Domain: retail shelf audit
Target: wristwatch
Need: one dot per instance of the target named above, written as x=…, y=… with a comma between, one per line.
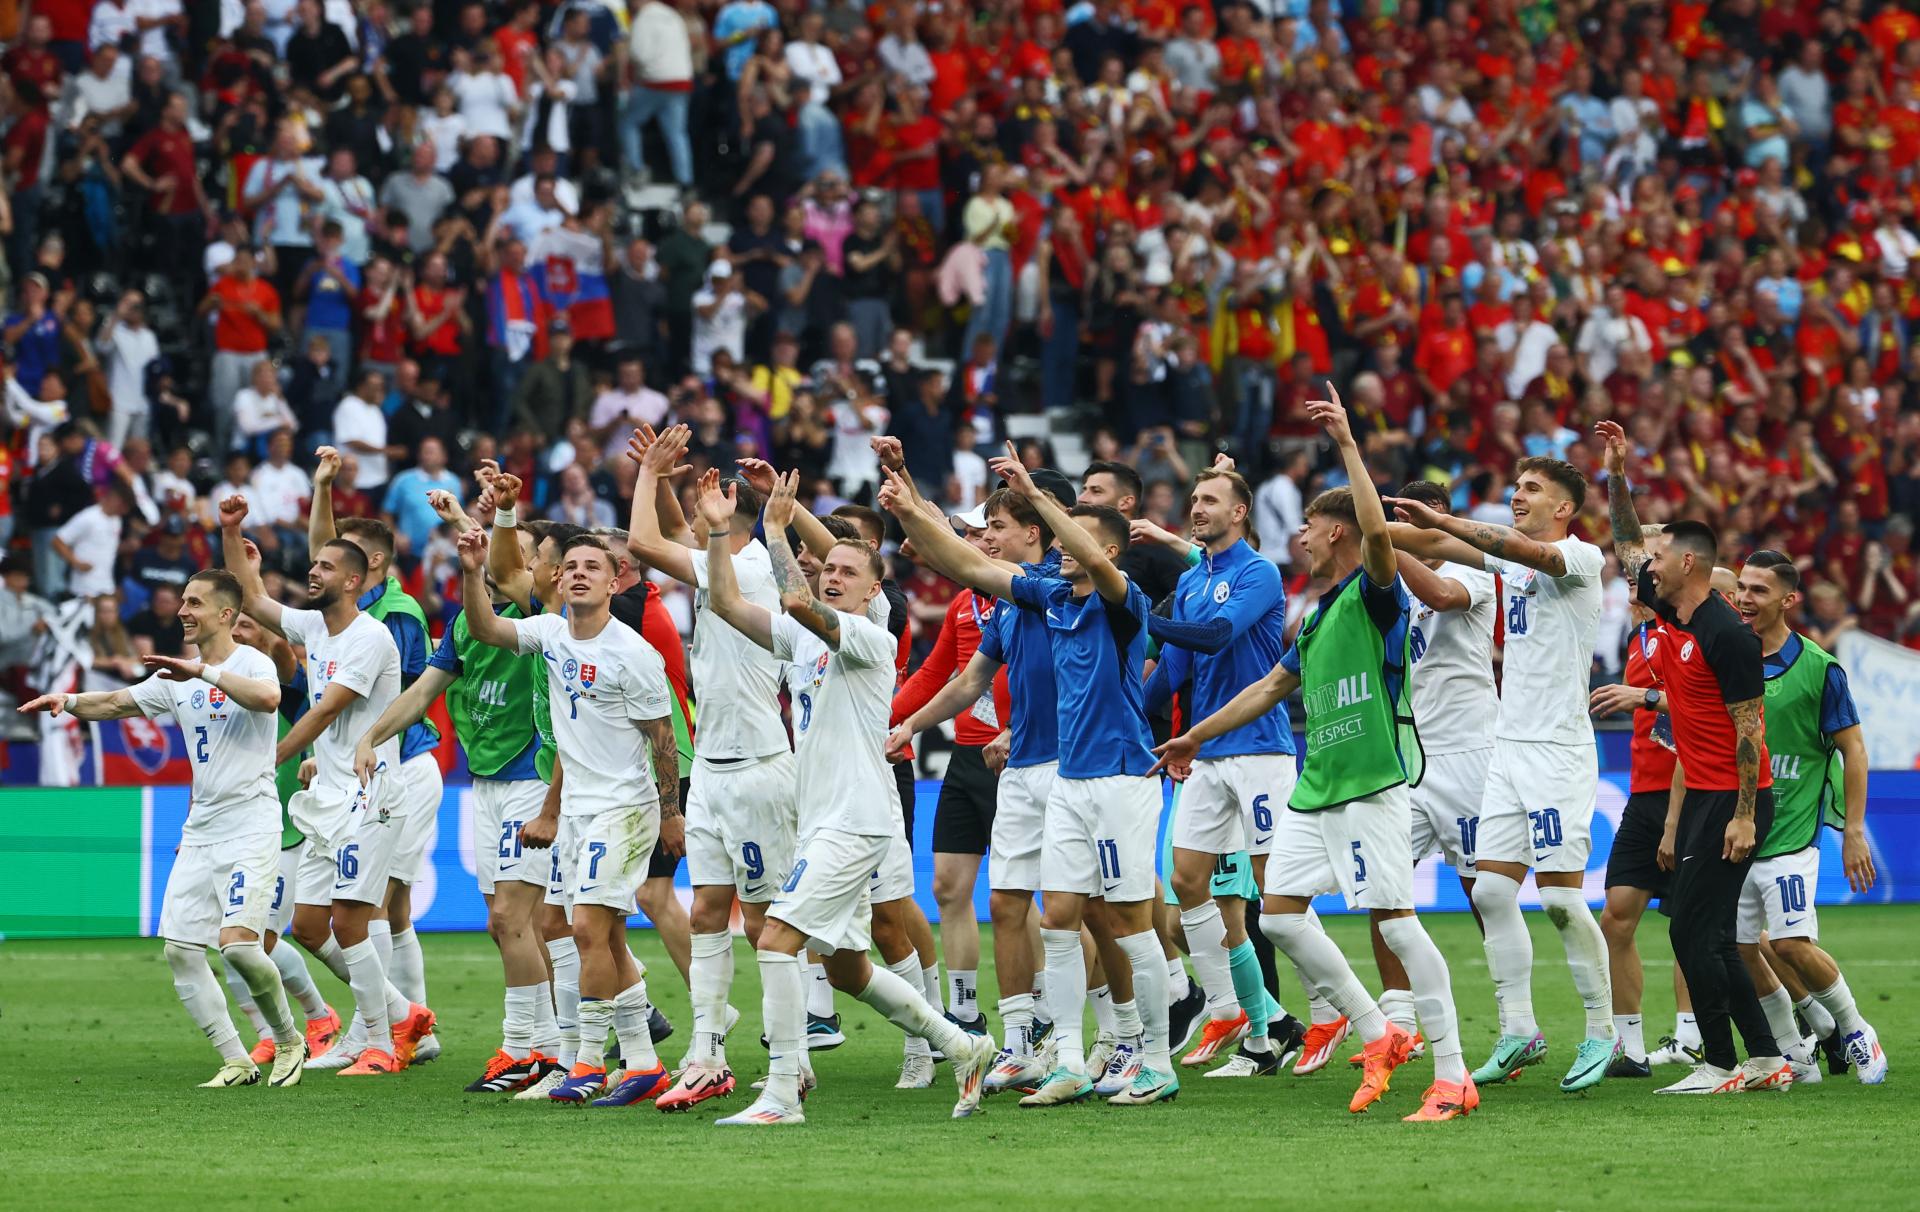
x=1652, y=700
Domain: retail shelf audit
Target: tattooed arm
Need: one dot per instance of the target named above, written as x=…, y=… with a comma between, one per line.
x=666, y=781
x=1750, y=728
x=1483, y=538
x=796, y=597
x=1629, y=541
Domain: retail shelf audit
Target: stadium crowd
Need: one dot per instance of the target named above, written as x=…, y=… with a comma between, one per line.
x=1134, y=232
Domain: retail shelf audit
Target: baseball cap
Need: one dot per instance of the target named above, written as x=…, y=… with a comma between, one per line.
x=1057, y=486
x=973, y=519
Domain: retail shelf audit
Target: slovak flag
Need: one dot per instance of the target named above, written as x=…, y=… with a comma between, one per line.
x=572, y=270
x=586, y=676
x=217, y=697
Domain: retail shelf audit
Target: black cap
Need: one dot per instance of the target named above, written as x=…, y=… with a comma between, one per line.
x=1056, y=485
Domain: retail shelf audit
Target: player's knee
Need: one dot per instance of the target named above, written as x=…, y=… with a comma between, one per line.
x=189, y=966
x=1617, y=925
x=950, y=887
x=1009, y=910
x=1285, y=930
x=1189, y=886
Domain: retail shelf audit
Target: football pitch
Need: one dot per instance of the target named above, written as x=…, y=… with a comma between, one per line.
x=99, y=1105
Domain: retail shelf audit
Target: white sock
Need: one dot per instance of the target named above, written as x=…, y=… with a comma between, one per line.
x=596, y=1019
x=908, y=970
x=1837, y=1000
x=380, y=934
x=1178, y=983
x=1207, y=948
x=516, y=1028
x=905, y=1006
x=1432, y=993
x=1398, y=1005
x=819, y=992
x=783, y=1009
x=1320, y=1010
x=1818, y=1020
x=963, y=992
x=631, y=1010
x=546, y=1030
x=296, y=980
x=1778, y=1007
x=334, y=959
x=1686, y=1029
x=409, y=968
x=1040, y=1002
x=930, y=987
x=1631, y=1029
x=1126, y=1017
x=709, y=977
x=243, y=998
x=1319, y=961
x=1509, y=951
x=200, y=994
x=1066, y=995
x=1150, y=998
x=1016, y=1023
x=369, y=982
x=1586, y=951
x=566, y=997
x=1103, y=1012
x=263, y=980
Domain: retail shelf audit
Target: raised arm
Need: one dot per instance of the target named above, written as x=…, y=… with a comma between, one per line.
x=796, y=598
x=403, y=711
x=1376, y=542
x=243, y=561
x=251, y=693
x=1075, y=540
x=94, y=705
x=1629, y=543
x=814, y=535
x=482, y=624
x=936, y=544
x=723, y=587
x=320, y=530
x=1443, y=594
x=652, y=491
x=1474, y=539
x=504, y=559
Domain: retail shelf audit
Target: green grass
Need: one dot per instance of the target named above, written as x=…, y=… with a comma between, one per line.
x=98, y=1105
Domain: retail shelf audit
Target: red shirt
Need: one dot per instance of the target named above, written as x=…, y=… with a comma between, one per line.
x=1703, y=664
x=234, y=330
x=28, y=137
x=169, y=153
x=921, y=173
x=444, y=340
x=1652, y=762
x=36, y=67
x=959, y=638
x=1444, y=354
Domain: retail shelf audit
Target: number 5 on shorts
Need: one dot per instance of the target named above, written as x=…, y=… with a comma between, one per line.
x=1359, y=865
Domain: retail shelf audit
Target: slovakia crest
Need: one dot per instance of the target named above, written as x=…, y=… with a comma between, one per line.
x=215, y=696
x=199, y=699
x=587, y=674
x=147, y=744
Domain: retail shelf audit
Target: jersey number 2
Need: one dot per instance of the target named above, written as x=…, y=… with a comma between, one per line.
x=200, y=744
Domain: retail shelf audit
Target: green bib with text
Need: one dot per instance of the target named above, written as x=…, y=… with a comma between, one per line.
x=1806, y=764
x=1360, y=732
x=492, y=700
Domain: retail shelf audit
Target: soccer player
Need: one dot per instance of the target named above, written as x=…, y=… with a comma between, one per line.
x=1350, y=824
x=850, y=810
x=1018, y=543
x=740, y=808
x=1453, y=697
x=1227, y=630
x=353, y=831
x=418, y=775
x=1819, y=765
x=221, y=887
x=608, y=690
x=1710, y=670
x=1544, y=777
x=489, y=699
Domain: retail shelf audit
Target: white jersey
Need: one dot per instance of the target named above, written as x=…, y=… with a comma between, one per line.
x=364, y=659
x=738, y=681
x=1453, y=692
x=1551, y=626
x=600, y=688
x=841, y=705
x=231, y=749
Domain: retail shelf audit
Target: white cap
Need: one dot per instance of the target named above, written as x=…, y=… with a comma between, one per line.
x=973, y=519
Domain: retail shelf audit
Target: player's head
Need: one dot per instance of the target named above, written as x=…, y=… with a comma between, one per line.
x=249, y=632
x=842, y=530
x=1654, y=534
x=626, y=570
x=1725, y=582
x=1684, y=557
x=871, y=528
x=1112, y=484
x=550, y=541
x=1107, y=525
x=209, y=605
x=1547, y=495
x=1769, y=587
x=1222, y=508
x=338, y=573
x=1014, y=529
x=587, y=572
x=374, y=537
x=747, y=505
x=1331, y=533
x=851, y=575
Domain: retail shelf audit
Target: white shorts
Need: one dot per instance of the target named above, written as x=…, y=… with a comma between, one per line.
x=286, y=888
x=893, y=878
x=1778, y=898
x=560, y=865
x=221, y=886
x=352, y=859
x=741, y=819
x=499, y=809
x=828, y=895
x=421, y=787
x=1229, y=804
x=1538, y=809
x=1019, y=824
x=1362, y=850
x=1446, y=807
x=1102, y=837
x=608, y=855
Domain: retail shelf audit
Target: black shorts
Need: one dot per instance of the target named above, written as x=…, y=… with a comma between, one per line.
x=963, y=823
x=659, y=863
x=1634, y=861
x=903, y=779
